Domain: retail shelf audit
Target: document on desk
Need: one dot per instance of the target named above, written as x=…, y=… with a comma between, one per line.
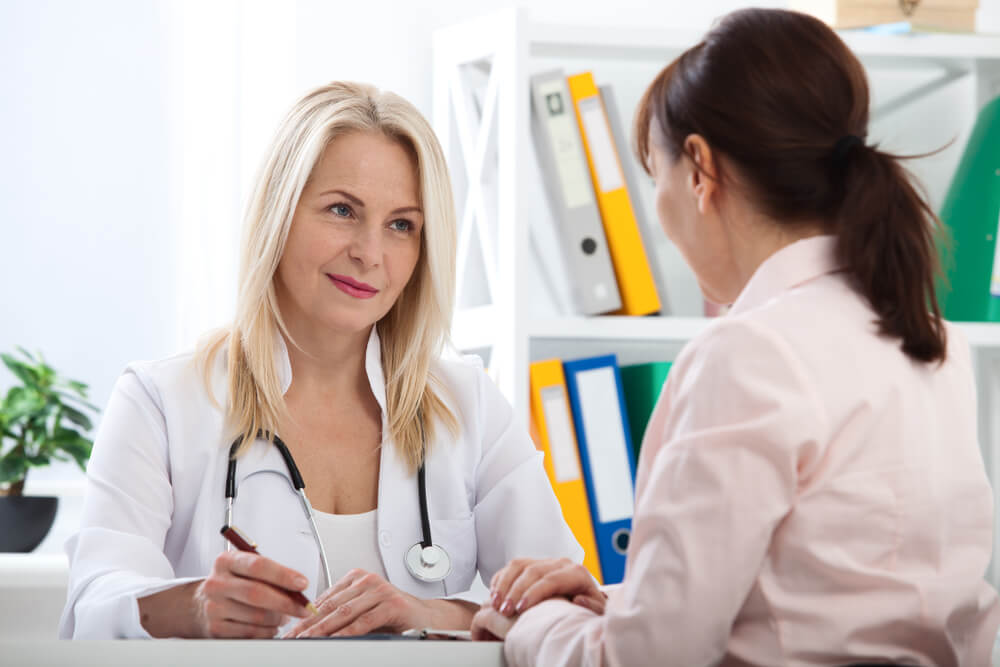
x=413, y=634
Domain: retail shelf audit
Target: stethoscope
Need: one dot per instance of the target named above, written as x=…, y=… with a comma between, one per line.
x=425, y=560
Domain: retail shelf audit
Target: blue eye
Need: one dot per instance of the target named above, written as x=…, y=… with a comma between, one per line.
x=401, y=225
x=342, y=210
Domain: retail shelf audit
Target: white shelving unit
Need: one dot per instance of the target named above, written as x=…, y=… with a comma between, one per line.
x=486, y=138
x=488, y=149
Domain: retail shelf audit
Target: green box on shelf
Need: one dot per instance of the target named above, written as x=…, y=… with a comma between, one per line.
x=642, y=384
x=971, y=214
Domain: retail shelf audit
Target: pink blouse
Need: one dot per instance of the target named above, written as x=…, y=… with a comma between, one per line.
x=806, y=495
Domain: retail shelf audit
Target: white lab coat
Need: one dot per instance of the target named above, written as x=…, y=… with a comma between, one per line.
x=155, y=494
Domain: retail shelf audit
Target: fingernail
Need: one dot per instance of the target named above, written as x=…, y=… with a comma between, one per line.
x=496, y=601
x=300, y=582
x=507, y=606
x=520, y=606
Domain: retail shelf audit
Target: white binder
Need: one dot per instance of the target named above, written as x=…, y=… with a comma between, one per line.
x=649, y=235
x=579, y=234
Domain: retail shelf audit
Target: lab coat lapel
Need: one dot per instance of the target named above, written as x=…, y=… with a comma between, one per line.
x=398, y=507
x=269, y=510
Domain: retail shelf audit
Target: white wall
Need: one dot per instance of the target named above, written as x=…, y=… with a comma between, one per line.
x=87, y=268
x=131, y=129
x=389, y=42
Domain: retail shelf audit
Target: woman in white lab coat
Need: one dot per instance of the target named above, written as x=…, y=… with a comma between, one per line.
x=810, y=489
x=345, y=297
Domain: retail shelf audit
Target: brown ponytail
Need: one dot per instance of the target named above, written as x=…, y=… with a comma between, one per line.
x=783, y=99
x=885, y=239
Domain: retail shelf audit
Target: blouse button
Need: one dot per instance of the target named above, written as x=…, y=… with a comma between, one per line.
x=385, y=539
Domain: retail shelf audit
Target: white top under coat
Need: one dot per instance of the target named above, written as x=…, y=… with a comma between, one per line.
x=155, y=501
x=351, y=541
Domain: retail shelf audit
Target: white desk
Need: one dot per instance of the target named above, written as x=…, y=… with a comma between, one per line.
x=299, y=653
x=32, y=596
x=33, y=592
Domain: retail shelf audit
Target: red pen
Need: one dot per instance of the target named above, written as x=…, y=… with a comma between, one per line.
x=243, y=543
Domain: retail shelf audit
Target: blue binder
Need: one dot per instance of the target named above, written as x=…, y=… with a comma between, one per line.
x=602, y=431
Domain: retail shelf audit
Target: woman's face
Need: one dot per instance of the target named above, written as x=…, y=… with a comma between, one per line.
x=687, y=204
x=355, y=236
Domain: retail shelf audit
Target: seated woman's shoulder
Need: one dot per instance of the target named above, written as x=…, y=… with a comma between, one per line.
x=464, y=381
x=178, y=373
x=459, y=370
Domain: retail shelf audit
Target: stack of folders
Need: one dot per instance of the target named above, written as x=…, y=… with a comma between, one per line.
x=600, y=243
x=580, y=413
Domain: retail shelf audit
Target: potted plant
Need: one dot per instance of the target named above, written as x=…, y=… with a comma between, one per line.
x=42, y=418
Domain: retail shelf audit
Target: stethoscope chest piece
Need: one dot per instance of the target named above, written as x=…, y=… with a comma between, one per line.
x=429, y=563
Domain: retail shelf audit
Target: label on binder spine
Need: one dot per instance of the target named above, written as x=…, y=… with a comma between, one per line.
x=565, y=462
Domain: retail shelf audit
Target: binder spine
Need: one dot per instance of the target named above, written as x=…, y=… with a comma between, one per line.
x=580, y=232
x=553, y=422
x=645, y=231
x=632, y=271
x=595, y=391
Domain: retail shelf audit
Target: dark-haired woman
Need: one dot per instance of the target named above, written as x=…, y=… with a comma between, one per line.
x=810, y=490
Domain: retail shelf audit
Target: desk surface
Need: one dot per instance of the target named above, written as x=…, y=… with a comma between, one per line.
x=33, y=570
x=301, y=653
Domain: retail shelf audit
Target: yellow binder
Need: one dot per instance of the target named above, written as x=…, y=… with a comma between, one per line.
x=552, y=429
x=635, y=279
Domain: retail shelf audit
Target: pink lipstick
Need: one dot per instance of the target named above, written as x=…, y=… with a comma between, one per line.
x=355, y=288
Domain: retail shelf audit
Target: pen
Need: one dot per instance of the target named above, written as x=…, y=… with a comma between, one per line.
x=243, y=543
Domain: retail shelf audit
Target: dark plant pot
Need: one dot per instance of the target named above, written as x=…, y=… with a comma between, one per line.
x=25, y=521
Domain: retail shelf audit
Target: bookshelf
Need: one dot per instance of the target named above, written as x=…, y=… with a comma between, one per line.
x=487, y=141
x=488, y=146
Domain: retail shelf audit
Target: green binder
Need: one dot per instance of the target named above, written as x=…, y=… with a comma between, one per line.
x=971, y=213
x=642, y=384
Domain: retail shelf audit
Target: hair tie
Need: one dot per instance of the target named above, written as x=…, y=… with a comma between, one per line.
x=842, y=149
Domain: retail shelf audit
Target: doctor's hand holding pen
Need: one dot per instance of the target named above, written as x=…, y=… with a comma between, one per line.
x=246, y=596
x=525, y=582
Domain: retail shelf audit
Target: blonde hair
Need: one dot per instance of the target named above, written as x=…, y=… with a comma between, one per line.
x=414, y=330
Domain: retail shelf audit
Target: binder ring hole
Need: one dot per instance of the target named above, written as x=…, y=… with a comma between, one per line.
x=619, y=540
x=589, y=245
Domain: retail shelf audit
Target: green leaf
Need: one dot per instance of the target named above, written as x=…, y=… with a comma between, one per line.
x=25, y=373
x=79, y=387
x=13, y=468
x=46, y=375
x=22, y=402
x=61, y=434
x=80, y=451
x=78, y=400
x=40, y=459
x=77, y=417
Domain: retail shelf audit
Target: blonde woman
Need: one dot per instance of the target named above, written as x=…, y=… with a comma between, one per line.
x=415, y=474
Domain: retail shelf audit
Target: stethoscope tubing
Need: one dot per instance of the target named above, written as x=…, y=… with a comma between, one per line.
x=424, y=571
x=297, y=483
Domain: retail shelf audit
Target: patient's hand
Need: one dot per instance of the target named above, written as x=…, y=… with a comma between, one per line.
x=525, y=582
x=490, y=625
